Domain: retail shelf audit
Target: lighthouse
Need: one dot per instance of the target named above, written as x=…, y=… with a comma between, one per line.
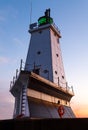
x=40, y=88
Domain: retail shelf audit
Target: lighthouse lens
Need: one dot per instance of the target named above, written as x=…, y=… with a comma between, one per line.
x=45, y=20
x=42, y=21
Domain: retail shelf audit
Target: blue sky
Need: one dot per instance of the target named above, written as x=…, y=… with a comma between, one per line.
x=71, y=16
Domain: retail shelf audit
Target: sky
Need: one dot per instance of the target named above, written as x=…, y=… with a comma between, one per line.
x=71, y=17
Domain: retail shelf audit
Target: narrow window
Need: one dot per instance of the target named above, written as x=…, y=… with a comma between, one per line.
x=38, y=52
x=62, y=77
x=55, y=72
x=57, y=55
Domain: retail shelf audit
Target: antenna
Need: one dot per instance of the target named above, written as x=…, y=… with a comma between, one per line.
x=30, y=11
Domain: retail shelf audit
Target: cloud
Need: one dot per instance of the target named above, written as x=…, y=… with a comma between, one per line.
x=2, y=15
x=2, y=18
x=8, y=13
x=6, y=110
x=3, y=60
x=17, y=41
x=6, y=103
x=6, y=97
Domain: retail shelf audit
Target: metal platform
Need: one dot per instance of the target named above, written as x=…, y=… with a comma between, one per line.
x=42, y=85
x=42, y=97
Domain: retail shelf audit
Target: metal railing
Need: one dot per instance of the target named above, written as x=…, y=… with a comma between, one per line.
x=22, y=64
x=17, y=74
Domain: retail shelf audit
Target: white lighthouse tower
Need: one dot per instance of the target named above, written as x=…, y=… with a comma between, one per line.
x=41, y=89
x=44, y=54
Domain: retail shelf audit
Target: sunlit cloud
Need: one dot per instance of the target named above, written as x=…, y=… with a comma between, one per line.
x=82, y=111
x=6, y=110
x=6, y=101
x=6, y=97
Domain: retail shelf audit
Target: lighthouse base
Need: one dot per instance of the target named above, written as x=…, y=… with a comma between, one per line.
x=43, y=109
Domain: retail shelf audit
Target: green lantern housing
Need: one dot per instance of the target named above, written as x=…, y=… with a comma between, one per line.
x=45, y=19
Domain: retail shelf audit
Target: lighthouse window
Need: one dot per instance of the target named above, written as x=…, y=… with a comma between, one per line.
x=62, y=76
x=38, y=52
x=57, y=55
x=55, y=72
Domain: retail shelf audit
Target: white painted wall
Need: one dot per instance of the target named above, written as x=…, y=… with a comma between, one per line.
x=57, y=62
x=40, y=42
